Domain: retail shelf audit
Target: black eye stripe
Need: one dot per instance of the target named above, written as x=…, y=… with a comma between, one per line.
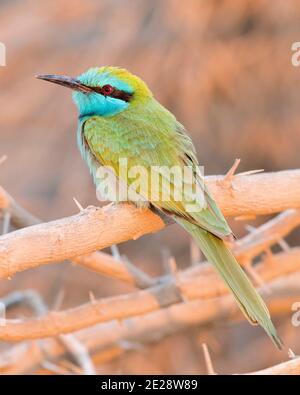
x=122, y=95
x=116, y=93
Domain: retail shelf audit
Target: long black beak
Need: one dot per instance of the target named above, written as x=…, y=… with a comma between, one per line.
x=68, y=82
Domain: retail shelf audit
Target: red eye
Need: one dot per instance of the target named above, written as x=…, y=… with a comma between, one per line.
x=107, y=90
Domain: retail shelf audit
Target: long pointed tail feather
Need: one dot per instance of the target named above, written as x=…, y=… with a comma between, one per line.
x=244, y=292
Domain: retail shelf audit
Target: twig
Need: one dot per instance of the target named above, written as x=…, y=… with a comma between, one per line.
x=28, y=297
x=54, y=368
x=6, y=222
x=79, y=352
x=36, y=303
x=115, y=252
x=19, y=216
x=78, y=204
x=93, y=229
x=196, y=282
x=160, y=295
x=172, y=266
x=208, y=361
x=244, y=249
x=140, y=278
x=266, y=235
x=284, y=245
x=250, y=172
x=146, y=328
x=106, y=265
x=227, y=180
x=256, y=194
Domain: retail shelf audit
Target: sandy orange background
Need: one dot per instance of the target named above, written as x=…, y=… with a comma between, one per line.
x=223, y=67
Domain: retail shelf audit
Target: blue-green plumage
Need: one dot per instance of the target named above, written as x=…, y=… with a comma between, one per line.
x=120, y=118
x=95, y=104
x=98, y=106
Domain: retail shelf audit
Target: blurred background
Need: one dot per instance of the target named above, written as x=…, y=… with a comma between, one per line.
x=223, y=67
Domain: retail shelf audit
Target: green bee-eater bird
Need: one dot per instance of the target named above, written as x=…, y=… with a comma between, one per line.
x=119, y=118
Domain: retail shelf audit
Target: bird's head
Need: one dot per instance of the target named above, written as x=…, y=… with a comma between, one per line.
x=104, y=91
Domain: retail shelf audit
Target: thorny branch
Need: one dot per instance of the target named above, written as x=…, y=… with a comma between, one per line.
x=239, y=196
x=96, y=228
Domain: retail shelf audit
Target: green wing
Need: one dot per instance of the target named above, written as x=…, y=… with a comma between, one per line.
x=155, y=139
